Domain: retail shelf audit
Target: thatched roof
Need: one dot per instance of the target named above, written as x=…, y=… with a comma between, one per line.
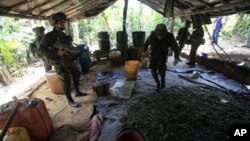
x=78, y=9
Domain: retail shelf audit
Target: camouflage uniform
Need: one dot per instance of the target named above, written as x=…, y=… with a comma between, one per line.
x=196, y=40
x=183, y=35
x=35, y=52
x=56, y=45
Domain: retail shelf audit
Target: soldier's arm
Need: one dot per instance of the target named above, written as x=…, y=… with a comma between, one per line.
x=45, y=44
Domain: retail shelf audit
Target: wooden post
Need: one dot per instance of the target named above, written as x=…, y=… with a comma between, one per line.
x=125, y=15
x=172, y=25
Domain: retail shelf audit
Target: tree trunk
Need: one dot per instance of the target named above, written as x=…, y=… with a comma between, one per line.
x=106, y=22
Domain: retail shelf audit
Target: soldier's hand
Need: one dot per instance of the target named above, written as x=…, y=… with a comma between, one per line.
x=60, y=52
x=175, y=62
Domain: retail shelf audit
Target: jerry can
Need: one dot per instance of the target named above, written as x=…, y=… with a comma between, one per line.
x=32, y=115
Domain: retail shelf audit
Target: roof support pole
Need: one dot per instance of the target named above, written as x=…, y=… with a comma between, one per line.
x=125, y=9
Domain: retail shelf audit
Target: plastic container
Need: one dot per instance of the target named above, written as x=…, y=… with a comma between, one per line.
x=138, y=38
x=54, y=82
x=101, y=88
x=122, y=41
x=35, y=118
x=130, y=134
x=16, y=134
x=104, y=42
x=131, y=69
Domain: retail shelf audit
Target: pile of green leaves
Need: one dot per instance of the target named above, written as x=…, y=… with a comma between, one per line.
x=187, y=114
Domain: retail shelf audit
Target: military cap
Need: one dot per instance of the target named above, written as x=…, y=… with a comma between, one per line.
x=55, y=17
x=38, y=29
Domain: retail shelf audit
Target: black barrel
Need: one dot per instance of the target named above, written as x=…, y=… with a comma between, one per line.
x=121, y=40
x=138, y=38
x=104, y=42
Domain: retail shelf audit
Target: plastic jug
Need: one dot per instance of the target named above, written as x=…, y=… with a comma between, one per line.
x=35, y=118
x=131, y=69
x=16, y=134
x=54, y=82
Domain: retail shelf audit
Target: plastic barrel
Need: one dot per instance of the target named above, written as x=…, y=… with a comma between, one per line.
x=131, y=69
x=138, y=38
x=104, y=42
x=121, y=40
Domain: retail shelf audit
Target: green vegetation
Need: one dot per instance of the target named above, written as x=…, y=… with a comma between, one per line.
x=236, y=26
x=187, y=114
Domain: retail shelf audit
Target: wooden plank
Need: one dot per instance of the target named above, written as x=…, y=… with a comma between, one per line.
x=37, y=7
x=86, y=7
x=53, y=8
x=23, y=16
x=8, y=9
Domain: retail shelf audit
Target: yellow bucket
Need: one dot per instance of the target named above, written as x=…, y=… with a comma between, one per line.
x=131, y=69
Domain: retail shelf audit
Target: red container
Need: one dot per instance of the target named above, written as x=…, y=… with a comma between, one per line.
x=130, y=134
x=34, y=118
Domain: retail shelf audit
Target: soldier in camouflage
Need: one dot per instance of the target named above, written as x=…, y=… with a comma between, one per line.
x=39, y=31
x=56, y=45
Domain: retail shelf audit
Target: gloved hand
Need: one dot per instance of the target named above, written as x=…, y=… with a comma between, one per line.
x=175, y=62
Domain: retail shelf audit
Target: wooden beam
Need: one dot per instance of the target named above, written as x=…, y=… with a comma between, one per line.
x=72, y=7
x=80, y=14
x=223, y=7
x=205, y=3
x=37, y=7
x=57, y=5
x=86, y=7
x=23, y=16
x=8, y=9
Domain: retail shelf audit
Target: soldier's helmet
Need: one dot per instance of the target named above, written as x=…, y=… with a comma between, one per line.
x=38, y=29
x=56, y=17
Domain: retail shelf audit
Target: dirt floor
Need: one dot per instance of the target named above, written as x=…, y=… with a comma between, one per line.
x=229, y=50
x=68, y=121
x=183, y=109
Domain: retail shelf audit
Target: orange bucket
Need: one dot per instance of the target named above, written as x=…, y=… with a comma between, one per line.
x=131, y=69
x=54, y=82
